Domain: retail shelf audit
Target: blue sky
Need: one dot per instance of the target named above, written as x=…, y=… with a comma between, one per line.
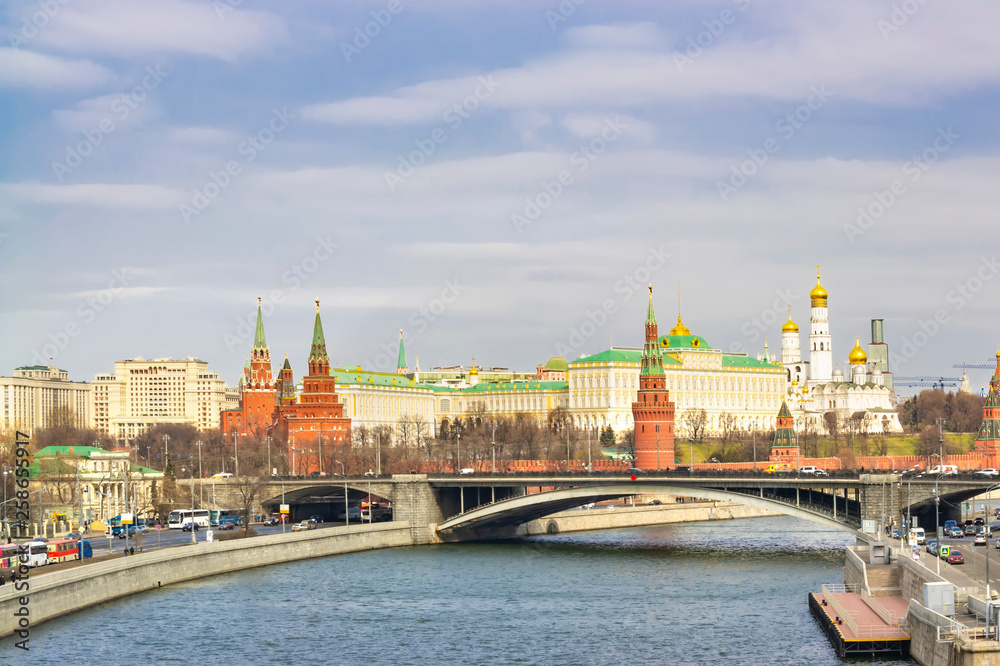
x=498, y=179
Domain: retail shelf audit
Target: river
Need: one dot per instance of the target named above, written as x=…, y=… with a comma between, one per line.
x=727, y=592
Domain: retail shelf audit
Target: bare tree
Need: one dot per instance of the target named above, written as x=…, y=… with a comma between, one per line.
x=247, y=488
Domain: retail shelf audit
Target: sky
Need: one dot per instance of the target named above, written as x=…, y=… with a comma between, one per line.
x=500, y=180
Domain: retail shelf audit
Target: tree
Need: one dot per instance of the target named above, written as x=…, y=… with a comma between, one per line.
x=247, y=489
x=608, y=437
x=929, y=441
x=628, y=443
x=694, y=422
x=728, y=431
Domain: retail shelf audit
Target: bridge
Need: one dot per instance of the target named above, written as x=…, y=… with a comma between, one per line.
x=446, y=507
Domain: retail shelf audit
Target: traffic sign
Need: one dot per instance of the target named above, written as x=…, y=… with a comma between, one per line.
x=126, y=519
x=284, y=508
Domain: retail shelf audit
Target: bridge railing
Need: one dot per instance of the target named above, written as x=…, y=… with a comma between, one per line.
x=843, y=516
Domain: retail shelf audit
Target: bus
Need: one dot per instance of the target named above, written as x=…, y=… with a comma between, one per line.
x=182, y=517
x=115, y=524
x=223, y=516
x=9, y=555
x=35, y=554
x=64, y=550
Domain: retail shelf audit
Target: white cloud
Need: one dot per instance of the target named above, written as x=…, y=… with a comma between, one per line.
x=588, y=126
x=95, y=194
x=203, y=135
x=629, y=36
x=91, y=113
x=127, y=29
x=33, y=70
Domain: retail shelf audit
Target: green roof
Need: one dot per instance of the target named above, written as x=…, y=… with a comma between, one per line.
x=683, y=342
x=355, y=377
x=517, y=386
x=32, y=367
x=74, y=451
x=613, y=356
x=318, y=350
x=556, y=363
x=731, y=361
x=401, y=360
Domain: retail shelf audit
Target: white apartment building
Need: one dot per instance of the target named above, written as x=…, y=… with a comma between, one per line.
x=28, y=398
x=142, y=393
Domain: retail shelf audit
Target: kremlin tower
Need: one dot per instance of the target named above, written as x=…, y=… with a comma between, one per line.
x=988, y=439
x=820, y=351
x=652, y=411
x=785, y=447
x=257, y=390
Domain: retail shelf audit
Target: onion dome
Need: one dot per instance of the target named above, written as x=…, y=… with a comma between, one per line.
x=818, y=295
x=857, y=355
x=680, y=328
x=790, y=326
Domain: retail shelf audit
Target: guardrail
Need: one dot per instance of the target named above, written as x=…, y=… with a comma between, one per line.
x=888, y=616
x=851, y=617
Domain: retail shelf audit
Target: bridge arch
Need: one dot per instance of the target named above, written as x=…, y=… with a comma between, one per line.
x=525, y=508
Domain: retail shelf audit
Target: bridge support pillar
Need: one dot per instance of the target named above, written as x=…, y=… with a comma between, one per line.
x=415, y=501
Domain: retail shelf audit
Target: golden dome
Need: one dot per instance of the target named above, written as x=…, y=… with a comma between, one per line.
x=818, y=294
x=857, y=355
x=680, y=328
x=790, y=326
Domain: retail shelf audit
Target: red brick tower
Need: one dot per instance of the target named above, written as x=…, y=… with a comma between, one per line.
x=785, y=447
x=316, y=423
x=652, y=411
x=257, y=390
x=988, y=439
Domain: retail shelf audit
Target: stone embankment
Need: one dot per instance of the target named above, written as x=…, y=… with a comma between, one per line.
x=600, y=518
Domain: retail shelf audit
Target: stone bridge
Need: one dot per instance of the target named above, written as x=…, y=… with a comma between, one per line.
x=477, y=506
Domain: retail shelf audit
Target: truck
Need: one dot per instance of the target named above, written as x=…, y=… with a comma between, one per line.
x=917, y=536
x=943, y=470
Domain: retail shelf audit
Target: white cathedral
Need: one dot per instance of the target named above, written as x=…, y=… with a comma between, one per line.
x=817, y=386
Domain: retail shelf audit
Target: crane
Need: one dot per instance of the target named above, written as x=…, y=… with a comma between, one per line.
x=934, y=382
x=983, y=366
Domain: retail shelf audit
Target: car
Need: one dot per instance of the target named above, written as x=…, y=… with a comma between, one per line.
x=464, y=470
x=932, y=546
x=467, y=470
x=222, y=475
x=998, y=544
x=272, y=521
x=970, y=530
x=954, y=532
x=897, y=534
x=227, y=526
x=316, y=519
x=186, y=527
x=72, y=535
x=300, y=527
x=979, y=521
x=635, y=470
x=980, y=540
x=989, y=471
x=955, y=557
x=141, y=528
x=812, y=470
x=130, y=530
x=655, y=503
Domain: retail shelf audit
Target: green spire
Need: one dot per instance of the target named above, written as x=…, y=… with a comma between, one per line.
x=784, y=412
x=401, y=360
x=652, y=357
x=318, y=350
x=259, y=341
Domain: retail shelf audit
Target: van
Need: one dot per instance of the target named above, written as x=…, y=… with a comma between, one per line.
x=943, y=470
x=353, y=513
x=774, y=468
x=917, y=536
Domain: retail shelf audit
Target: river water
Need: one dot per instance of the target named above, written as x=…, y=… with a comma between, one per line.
x=731, y=592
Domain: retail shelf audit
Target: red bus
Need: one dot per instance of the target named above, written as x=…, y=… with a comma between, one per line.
x=64, y=550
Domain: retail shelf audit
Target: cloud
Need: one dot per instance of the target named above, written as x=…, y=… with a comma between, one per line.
x=89, y=113
x=801, y=46
x=20, y=68
x=588, y=126
x=95, y=194
x=127, y=29
x=203, y=135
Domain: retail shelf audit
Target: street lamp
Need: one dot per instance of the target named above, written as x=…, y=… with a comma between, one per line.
x=658, y=447
x=201, y=478
x=347, y=509
x=236, y=451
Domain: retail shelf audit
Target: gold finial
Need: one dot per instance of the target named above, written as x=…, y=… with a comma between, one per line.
x=400, y=333
x=258, y=301
x=817, y=272
x=317, y=306
x=789, y=310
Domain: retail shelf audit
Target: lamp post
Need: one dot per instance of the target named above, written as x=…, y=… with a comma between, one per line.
x=347, y=509
x=458, y=452
x=268, y=440
x=166, y=450
x=6, y=531
x=493, y=441
x=590, y=462
x=657, y=447
x=691, y=443
x=236, y=451
x=201, y=478
x=378, y=458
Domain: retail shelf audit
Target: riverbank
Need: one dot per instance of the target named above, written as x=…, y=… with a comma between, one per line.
x=62, y=592
x=599, y=518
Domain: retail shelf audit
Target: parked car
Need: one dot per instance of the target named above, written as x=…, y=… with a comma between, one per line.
x=932, y=546
x=897, y=534
x=955, y=557
x=316, y=519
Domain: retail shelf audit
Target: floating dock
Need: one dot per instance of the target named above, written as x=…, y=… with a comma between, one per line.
x=855, y=628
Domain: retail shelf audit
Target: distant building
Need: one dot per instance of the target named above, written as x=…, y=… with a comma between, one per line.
x=142, y=393
x=28, y=399
x=988, y=439
x=652, y=411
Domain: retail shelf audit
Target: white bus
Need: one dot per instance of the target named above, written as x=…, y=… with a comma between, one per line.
x=182, y=517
